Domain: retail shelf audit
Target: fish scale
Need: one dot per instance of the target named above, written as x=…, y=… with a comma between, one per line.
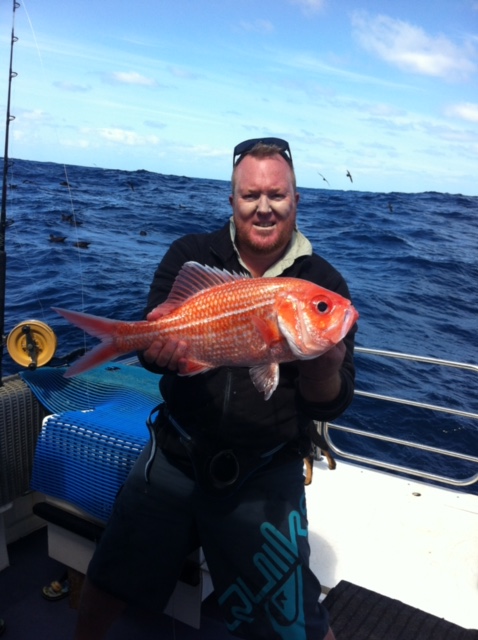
x=214, y=319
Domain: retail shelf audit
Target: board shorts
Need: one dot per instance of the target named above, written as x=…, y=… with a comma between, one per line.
x=254, y=541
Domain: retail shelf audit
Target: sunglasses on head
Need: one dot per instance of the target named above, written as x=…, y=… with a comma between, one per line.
x=245, y=147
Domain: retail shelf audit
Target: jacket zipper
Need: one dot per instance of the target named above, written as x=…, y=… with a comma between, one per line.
x=226, y=399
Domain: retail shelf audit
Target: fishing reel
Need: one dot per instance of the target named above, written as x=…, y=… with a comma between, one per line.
x=31, y=344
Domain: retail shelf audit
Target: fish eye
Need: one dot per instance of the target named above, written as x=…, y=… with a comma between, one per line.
x=322, y=306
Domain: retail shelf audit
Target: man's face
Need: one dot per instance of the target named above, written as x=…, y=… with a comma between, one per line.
x=264, y=205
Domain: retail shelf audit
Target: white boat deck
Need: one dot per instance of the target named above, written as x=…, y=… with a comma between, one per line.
x=405, y=539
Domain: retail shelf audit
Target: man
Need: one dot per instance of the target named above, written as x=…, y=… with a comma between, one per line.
x=224, y=468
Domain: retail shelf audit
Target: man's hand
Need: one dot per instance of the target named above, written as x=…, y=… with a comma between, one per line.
x=155, y=314
x=170, y=354
x=319, y=379
x=167, y=353
x=326, y=365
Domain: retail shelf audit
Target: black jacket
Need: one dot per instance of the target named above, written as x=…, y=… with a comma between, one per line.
x=223, y=402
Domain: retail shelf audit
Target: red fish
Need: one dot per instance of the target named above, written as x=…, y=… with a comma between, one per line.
x=228, y=320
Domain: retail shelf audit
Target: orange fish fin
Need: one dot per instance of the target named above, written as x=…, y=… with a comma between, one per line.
x=100, y=354
x=192, y=279
x=102, y=328
x=96, y=326
x=192, y=368
x=265, y=378
x=268, y=330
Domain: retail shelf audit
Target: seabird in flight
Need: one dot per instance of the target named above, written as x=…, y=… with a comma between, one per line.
x=349, y=175
x=323, y=178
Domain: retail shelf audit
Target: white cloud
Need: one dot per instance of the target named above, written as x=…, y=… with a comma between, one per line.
x=76, y=143
x=384, y=110
x=307, y=62
x=131, y=77
x=411, y=49
x=207, y=152
x=465, y=111
x=127, y=138
x=35, y=115
x=19, y=136
x=448, y=134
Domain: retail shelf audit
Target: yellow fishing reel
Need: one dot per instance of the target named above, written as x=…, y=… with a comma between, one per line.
x=31, y=344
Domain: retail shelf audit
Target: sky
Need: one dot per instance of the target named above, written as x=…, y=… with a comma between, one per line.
x=386, y=90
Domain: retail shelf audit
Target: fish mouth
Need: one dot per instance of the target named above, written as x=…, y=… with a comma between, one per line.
x=350, y=317
x=340, y=329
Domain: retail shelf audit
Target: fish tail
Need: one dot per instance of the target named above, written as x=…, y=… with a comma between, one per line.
x=102, y=328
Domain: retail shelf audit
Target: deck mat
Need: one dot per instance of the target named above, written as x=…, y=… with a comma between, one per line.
x=360, y=614
x=89, y=444
x=127, y=384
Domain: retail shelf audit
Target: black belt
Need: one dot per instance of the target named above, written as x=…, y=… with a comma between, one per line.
x=217, y=470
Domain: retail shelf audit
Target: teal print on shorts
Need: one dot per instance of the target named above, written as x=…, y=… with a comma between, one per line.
x=281, y=597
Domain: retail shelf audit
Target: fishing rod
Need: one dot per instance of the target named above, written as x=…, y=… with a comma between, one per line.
x=3, y=215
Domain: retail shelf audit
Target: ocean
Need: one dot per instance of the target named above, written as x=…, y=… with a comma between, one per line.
x=411, y=262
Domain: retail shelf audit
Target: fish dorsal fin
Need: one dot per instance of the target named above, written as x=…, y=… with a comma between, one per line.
x=194, y=278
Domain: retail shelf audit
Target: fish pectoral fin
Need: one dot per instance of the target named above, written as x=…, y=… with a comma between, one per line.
x=269, y=330
x=265, y=378
x=192, y=368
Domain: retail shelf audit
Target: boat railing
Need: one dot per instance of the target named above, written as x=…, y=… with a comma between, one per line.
x=329, y=428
